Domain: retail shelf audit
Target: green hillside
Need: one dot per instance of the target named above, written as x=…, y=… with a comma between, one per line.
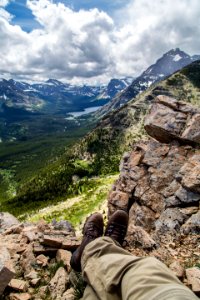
x=100, y=151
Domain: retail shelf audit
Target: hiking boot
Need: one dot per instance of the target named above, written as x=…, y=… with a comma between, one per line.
x=117, y=226
x=92, y=229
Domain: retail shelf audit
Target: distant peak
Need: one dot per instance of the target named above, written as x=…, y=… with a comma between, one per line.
x=54, y=81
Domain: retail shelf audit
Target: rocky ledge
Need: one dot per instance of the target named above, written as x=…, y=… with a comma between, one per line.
x=35, y=259
x=159, y=185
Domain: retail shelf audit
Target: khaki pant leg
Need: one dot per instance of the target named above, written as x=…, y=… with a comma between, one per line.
x=104, y=264
x=89, y=294
x=149, y=279
x=115, y=274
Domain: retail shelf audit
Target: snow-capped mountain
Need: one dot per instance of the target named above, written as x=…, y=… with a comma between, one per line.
x=115, y=86
x=54, y=95
x=169, y=63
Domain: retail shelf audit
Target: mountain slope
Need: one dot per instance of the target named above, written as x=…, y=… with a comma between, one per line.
x=117, y=130
x=169, y=63
x=100, y=151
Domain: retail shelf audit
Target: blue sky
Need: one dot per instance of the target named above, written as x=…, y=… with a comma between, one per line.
x=23, y=16
x=91, y=41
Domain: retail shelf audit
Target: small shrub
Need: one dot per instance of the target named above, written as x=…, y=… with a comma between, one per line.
x=54, y=267
x=79, y=286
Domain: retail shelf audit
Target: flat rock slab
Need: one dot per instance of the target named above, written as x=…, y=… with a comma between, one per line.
x=22, y=296
x=19, y=285
x=172, y=119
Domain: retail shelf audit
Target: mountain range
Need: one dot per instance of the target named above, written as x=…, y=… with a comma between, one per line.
x=169, y=63
x=54, y=96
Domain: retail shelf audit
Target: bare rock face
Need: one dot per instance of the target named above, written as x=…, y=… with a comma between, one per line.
x=165, y=194
x=159, y=183
x=171, y=119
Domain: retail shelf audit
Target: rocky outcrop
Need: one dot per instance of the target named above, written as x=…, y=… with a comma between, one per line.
x=161, y=190
x=159, y=185
x=35, y=260
x=171, y=119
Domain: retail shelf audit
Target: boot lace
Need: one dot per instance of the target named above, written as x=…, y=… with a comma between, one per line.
x=117, y=231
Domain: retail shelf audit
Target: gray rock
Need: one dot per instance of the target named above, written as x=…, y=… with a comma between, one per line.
x=137, y=236
x=6, y=221
x=62, y=225
x=171, y=189
x=170, y=220
x=172, y=202
x=186, y=196
x=192, y=225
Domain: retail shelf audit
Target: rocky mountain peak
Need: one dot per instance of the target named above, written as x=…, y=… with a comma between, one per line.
x=166, y=65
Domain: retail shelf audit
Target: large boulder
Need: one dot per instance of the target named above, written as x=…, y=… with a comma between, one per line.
x=171, y=119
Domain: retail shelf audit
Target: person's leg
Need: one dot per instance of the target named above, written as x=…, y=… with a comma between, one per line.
x=150, y=279
x=89, y=294
x=93, y=229
x=114, y=273
x=104, y=264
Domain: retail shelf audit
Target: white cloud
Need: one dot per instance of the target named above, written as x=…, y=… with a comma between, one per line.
x=3, y=13
x=4, y=2
x=153, y=27
x=90, y=45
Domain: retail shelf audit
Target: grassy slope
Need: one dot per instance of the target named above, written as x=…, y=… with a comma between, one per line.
x=100, y=151
x=76, y=209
